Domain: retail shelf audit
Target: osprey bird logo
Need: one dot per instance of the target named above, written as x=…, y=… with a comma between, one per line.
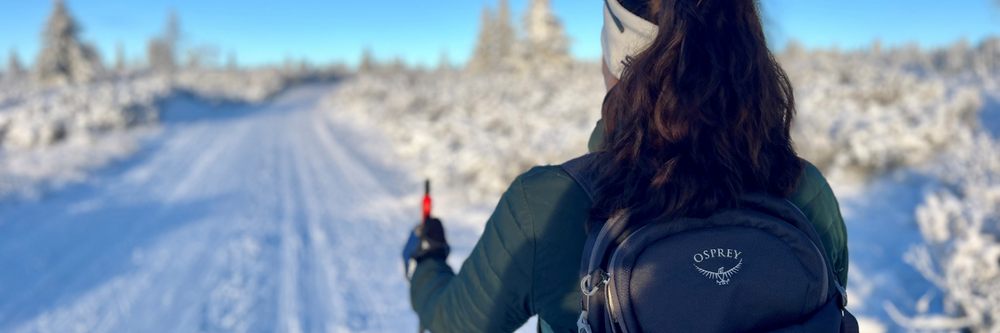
x=722, y=276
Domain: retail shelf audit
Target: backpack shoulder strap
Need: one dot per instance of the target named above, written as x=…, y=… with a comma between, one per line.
x=579, y=169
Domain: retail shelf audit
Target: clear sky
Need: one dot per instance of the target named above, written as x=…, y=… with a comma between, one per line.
x=419, y=31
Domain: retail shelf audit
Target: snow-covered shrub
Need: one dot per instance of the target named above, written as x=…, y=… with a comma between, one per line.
x=476, y=132
x=251, y=86
x=33, y=116
x=46, y=116
x=53, y=134
x=863, y=113
x=961, y=227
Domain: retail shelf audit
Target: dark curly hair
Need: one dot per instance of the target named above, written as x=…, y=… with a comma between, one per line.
x=698, y=119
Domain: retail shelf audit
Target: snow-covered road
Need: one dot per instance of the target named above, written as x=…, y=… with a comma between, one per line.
x=234, y=218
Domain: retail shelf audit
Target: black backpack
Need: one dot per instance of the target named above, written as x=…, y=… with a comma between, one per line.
x=759, y=268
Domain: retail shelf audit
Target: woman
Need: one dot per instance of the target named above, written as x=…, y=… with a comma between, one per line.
x=700, y=117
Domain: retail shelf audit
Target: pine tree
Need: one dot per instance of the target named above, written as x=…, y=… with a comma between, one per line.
x=120, y=57
x=231, y=62
x=546, y=43
x=504, y=38
x=495, y=47
x=444, y=63
x=483, y=56
x=397, y=65
x=14, y=67
x=63, y=58
x=162, y=51
x=367, y=61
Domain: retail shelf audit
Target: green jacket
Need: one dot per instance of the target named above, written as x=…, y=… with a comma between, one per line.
x=528, y=259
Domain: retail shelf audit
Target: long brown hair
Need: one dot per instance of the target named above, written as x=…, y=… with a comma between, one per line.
x=698, y=119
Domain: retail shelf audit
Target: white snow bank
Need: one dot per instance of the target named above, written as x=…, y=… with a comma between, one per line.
x=23, y=171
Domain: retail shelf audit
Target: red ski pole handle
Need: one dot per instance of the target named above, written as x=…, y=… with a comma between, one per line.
x=427, y=200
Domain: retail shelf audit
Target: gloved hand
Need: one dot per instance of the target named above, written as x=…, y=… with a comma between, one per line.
x=426, y=241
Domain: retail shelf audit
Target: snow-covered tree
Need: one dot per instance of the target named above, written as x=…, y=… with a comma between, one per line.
x=64, y=59
x=876, y=47
x=544, y=46
x=504, y=33
x=444, y=62
x=162, y=50
x=496, y=42
x=231, y=61
x=794, y=50
x=546, y=43
x=988, y=56
x=397, y=65
x=953, y=59
x=367, y=63
x=483, y=56
x=14, y=67
x=120, y=57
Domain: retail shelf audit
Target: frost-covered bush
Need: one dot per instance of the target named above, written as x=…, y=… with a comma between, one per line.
x=46, y=116
x=859, y=113
x=33, y=115
x=476, y=132
x=864, y=113
x=252, y=86
x=53, y=134
x=961, y=227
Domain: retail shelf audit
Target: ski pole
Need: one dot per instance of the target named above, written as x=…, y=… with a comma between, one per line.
x=427, y=216
x=427, y=200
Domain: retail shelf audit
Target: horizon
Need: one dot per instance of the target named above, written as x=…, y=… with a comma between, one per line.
x=263, y=33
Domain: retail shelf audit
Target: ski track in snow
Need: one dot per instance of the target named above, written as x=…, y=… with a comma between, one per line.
x=234, y=219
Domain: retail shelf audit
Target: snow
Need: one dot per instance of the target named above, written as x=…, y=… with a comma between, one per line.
x=859, y=114
x=476, y=133
x=961, y=226
x=246, y=221
x=226, y=202
x=52, y=135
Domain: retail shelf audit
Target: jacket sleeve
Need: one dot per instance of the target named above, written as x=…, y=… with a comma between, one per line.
x=820, y=205
x=492, y=291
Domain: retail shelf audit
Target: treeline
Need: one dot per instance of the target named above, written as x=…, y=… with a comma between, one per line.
x=65, y=58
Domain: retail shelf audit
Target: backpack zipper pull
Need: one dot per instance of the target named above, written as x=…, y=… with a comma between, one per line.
x=582, y=326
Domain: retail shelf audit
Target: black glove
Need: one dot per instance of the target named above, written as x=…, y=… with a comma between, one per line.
x=426, y=241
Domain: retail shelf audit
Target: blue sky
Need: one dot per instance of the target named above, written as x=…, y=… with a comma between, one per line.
x=418, y=31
